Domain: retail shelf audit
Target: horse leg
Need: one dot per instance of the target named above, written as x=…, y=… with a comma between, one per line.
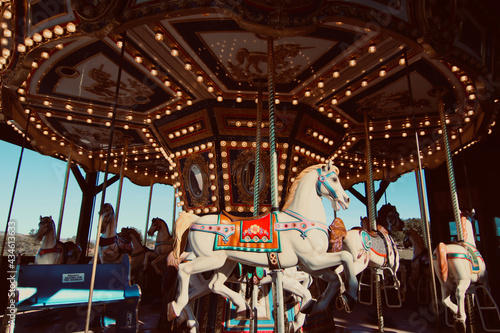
x=157, y=261
x=217, y=286
x=317, y=264
x=293, y=286
x=446, y=289
x=462, y=287
x=197, y=265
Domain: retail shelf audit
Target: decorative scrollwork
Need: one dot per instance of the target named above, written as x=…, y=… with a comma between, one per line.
x=244, y=175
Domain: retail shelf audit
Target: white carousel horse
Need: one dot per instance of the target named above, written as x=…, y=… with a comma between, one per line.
x=458, y=265
x=52, y=251
x=138, y=252
x=303, y=237
x=112, y=247
x=164, y=244
x=375, y=249
x=295, y=282
x=420, y=261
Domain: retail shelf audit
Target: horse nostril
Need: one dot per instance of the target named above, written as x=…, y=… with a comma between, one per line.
x=348, y=200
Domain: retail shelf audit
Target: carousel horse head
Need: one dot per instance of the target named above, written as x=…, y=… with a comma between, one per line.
x=328, y=179
x=108, y=215
x=388, y=217
x=45, y=225
x=156, y=225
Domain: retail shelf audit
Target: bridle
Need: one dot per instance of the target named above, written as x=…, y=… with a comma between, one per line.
x=323, y=181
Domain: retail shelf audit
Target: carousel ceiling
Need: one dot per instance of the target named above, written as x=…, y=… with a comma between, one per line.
x=191, y=73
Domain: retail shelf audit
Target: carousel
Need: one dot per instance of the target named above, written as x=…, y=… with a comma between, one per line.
x=254, y=111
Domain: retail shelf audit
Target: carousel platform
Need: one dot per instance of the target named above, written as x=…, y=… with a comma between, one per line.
x=362, y=319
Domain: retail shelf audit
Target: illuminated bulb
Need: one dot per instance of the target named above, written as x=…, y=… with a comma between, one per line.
x=372, y=48
x=277, y=101
x=189, y=102
x=348, y=92
x=352, y=62
x=472, y=96
x=455, y=69
x=219, y=98
x=307, y=93
x=44, y=55
x=469, y=87
x=238, y=99
x=334, y=101
x=167, y=83
x=138, y=59
x=321, y=84
x=69, y=117
x=36, y=37
x=159, y=36
x=28, y=42
x=21, y=48
x=59, y=46
x=7, y=15
x=58, y=30
x=382, y=73
x=47, y=33
x=336, y=74
x=119, y=43
x=90, y=110
x=174, y=52
x=154, y=71
x=210, y=89
x=402, y=61
x=364, y=83
x=188, y=66
x=404, y=134
x=199, y=78
x=178, y=92
x=71, y=27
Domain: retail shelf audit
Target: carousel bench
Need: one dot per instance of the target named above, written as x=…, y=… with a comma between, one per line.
x=56, y=286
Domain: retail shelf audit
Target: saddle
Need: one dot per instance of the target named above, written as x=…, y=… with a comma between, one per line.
x=336, y=234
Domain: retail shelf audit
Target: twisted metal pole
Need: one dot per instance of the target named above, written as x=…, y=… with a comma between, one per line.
x=449, y=167
x=372, y=215
x=277, y=274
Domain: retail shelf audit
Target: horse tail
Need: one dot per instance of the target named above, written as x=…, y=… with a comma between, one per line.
x=181, y=230
x=440, y=253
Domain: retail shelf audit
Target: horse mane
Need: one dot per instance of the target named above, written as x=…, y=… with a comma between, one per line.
x=293, y=188
x=134, y=231
x=382, y=214
x=165, y=223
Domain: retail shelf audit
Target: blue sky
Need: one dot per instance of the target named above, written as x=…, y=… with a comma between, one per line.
x=41, y=180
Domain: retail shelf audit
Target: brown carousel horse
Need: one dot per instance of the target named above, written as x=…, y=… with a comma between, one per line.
x=53, y=251
x=137, y=254
x=112, y=247
x=420, y=263
x=163, y=246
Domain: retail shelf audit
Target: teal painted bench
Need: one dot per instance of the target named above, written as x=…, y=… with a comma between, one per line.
x=56, y=286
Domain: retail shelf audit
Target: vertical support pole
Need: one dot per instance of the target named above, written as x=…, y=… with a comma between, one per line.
x=372, y=215
x=120, y=186
x=424, y=213
x=64, y=193
x=256, y=201
x=149, y=210
x=278, y=302
x=449, y=167
x=104, y=185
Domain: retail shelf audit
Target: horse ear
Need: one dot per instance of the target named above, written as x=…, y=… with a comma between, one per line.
x=329, y=165
x=40, y=218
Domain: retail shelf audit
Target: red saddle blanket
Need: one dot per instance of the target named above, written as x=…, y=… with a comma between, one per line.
x=254, y=235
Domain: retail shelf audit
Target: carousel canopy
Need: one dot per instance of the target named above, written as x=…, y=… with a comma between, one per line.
x=191, y=73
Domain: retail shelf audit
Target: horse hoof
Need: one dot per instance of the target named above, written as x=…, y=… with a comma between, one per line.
x=348, y=301
x=308, y=307
x=171, y=315
x=459, y=326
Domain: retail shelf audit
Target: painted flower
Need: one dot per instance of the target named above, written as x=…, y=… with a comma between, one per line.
x=254, y=229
